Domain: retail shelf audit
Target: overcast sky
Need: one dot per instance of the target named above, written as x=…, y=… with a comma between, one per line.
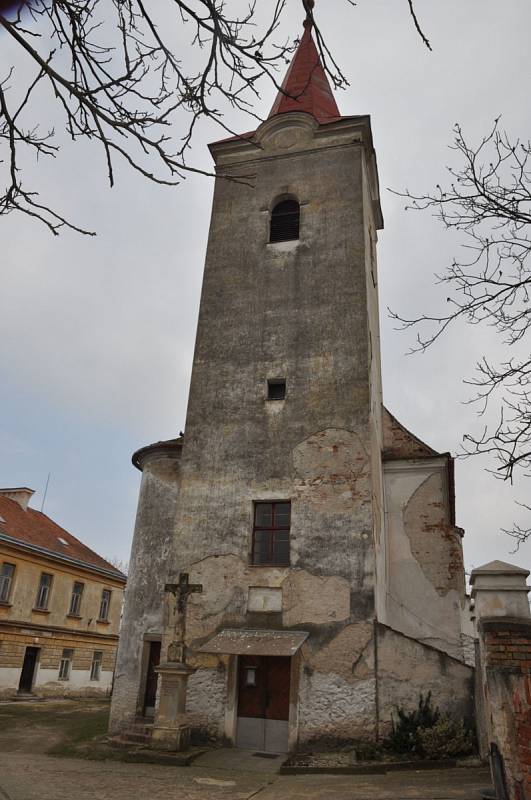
x=97, y=333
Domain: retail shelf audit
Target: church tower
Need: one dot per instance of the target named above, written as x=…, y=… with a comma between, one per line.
x=272, y=504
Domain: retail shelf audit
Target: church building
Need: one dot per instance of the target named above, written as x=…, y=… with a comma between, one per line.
x=296, y=570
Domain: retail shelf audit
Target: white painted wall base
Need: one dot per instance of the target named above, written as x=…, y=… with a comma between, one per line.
x=47, y=682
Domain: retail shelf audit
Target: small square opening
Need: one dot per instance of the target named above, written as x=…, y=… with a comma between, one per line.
x=276, y=389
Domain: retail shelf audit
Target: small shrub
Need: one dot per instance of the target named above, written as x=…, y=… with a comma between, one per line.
x=405, y=732
x=446, y=739
x=366, y=750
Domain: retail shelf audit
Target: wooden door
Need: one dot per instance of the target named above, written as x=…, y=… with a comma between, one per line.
x=277, y=688
x=151, y=679
x=263, y=703
x=27, y=675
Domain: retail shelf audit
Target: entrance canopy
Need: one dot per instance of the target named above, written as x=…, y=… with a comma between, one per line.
x=241, y=642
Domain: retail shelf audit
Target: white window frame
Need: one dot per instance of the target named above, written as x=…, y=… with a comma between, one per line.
x=95, y=667
x=105, y=605
x=65, y=665
x=43, y=592
x=75, y=599
x=6, y=582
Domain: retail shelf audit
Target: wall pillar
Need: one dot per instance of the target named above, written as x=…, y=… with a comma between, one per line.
x=499, y=592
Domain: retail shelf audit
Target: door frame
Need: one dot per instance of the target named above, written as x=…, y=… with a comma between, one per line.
x=144, y=664
x=231, y=709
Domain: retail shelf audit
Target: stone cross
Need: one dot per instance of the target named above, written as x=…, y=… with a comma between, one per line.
x=180, y=590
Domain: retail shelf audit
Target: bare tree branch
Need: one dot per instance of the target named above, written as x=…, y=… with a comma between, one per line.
x=417, y=25
x=117, y=79
x=488, y=200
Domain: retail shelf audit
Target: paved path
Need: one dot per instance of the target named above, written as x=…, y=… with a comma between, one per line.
x=41, y=777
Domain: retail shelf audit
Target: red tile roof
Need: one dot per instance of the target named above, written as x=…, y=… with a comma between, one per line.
x=34, y=528
x=306, y=87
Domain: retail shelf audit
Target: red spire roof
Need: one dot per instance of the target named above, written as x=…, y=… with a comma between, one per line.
x=306, y=87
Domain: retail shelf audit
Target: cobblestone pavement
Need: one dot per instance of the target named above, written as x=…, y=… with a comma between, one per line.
x=24, y=776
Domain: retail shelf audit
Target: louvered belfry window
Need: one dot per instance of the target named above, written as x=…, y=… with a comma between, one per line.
x=285, y=219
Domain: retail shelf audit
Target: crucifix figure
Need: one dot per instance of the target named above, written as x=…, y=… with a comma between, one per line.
x=181, y=591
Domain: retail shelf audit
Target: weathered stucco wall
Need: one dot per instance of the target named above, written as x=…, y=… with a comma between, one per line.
x=337, y=690
x=425, y=589
x=207, y=698
x=318, y=604
x=407, y=668
x=150, y=553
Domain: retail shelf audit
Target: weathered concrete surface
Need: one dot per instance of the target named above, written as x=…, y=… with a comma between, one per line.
x=43, y=778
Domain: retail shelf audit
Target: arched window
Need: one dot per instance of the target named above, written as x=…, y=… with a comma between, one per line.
x=285, y=219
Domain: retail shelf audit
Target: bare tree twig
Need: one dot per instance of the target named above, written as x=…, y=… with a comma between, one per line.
x=117, y=79
x=488, y=201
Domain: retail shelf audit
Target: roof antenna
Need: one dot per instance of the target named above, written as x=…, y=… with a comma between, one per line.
x=45, y=491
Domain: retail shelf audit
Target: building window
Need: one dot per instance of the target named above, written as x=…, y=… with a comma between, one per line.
x=104, y=605
x=6, y=580
x=75, y=600
x=66, y=664
x=43, y=595
x=95, y=669
x=285, y=219
x=271, y=533
x=276, y=389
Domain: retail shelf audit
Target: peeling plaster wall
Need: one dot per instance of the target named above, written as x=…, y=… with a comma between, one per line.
x=206, y=699
x=337, y=689
x=333, y=708
x=408, y=668
x=426, y=592
x=144, y=592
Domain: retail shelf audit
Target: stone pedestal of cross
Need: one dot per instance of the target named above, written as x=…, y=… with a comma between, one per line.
x=171, y=730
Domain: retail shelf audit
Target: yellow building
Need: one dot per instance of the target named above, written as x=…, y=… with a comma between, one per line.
x=60, y=606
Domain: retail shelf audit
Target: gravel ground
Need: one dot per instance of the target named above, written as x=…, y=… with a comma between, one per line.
x=28, y=771
x=42, y=777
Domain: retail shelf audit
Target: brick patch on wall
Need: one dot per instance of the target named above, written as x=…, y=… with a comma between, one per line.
x=506, y=647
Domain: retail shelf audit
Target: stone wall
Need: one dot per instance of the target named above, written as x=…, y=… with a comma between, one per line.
x=206, y=700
